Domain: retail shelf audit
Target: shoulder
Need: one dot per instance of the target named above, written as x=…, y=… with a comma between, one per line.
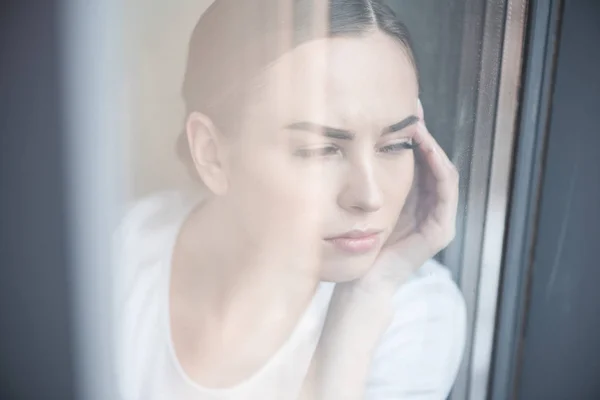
x=146, y=218
x=147, y=227
x=429, y=299
x=421, y=350
x=432, y=284
x=143, y=241
x=142, y=246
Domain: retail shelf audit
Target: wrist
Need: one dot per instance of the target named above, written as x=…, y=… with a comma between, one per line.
x=371, y=305
x=387, y=275
x=355, y=322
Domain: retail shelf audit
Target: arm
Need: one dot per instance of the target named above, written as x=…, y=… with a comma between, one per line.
x=415, y=357
x=360, y=311
x=420, y=353
x=355, y=324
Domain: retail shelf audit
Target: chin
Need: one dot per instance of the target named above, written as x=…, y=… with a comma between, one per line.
x=346, y=269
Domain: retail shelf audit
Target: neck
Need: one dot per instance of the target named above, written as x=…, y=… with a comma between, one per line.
x=231, y=277
x=233, y=301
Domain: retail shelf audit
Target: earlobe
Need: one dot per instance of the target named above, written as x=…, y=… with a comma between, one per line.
x=207, y=152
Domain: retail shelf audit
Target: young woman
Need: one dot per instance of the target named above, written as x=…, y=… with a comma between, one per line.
x=304, y=270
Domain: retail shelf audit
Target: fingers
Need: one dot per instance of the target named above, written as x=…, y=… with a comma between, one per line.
x=436, y=161
x=442, y=183
x=428, y=142
x=420, y=112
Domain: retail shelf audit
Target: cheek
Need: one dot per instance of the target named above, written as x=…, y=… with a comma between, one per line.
x=396, y=183
x=277, y=193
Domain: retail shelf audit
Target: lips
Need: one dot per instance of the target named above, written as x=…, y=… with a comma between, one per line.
x=356, y=241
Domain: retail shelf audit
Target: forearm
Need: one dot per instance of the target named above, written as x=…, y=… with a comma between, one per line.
x=355, y=323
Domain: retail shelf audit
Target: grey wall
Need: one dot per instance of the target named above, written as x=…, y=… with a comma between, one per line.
x=436, y=28
x=35, y=353
x=561, y=348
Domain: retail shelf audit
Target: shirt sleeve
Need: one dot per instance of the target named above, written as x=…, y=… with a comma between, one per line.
x=419, y=354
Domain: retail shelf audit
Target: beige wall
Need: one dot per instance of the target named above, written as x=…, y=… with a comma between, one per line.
x=157, y=34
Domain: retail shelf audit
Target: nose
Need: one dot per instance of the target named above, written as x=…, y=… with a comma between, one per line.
x=361, y=192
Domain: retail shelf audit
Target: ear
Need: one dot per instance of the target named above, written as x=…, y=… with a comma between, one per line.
x=207, y=151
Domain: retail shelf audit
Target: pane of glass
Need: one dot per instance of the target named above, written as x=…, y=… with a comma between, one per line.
x=449, y=46
x=448, y=39
x=458, y=49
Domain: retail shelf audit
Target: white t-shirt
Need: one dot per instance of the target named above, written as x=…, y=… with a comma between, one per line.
x=417, y=357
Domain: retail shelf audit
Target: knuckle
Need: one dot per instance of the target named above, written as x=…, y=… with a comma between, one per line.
x=447, y=237
x=454, y=172
x=451, y=234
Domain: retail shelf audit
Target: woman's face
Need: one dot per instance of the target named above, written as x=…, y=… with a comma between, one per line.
x=322, y=165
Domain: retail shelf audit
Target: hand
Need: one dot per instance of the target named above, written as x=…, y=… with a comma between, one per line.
x=360, y=311
x=427, y=222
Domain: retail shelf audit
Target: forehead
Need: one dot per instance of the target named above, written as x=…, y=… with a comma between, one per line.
x=367, y=79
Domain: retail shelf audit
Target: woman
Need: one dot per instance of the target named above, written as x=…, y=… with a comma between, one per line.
x=305, y=270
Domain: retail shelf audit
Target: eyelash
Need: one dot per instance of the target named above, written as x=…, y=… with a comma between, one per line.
x=329, y=151
x=326, y=151
x=395, y=147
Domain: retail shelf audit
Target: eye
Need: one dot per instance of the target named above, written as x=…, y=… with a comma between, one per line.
x=325, y=151
x=407, y=144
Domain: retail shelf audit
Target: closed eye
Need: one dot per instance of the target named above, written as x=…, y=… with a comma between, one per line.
x=398, y=146
x=324, y=151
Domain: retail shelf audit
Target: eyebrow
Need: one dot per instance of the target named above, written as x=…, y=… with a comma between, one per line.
x=342, y=134
x=398, y=126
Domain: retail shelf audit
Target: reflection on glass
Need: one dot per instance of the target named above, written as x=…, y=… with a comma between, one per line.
x=299, y=262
